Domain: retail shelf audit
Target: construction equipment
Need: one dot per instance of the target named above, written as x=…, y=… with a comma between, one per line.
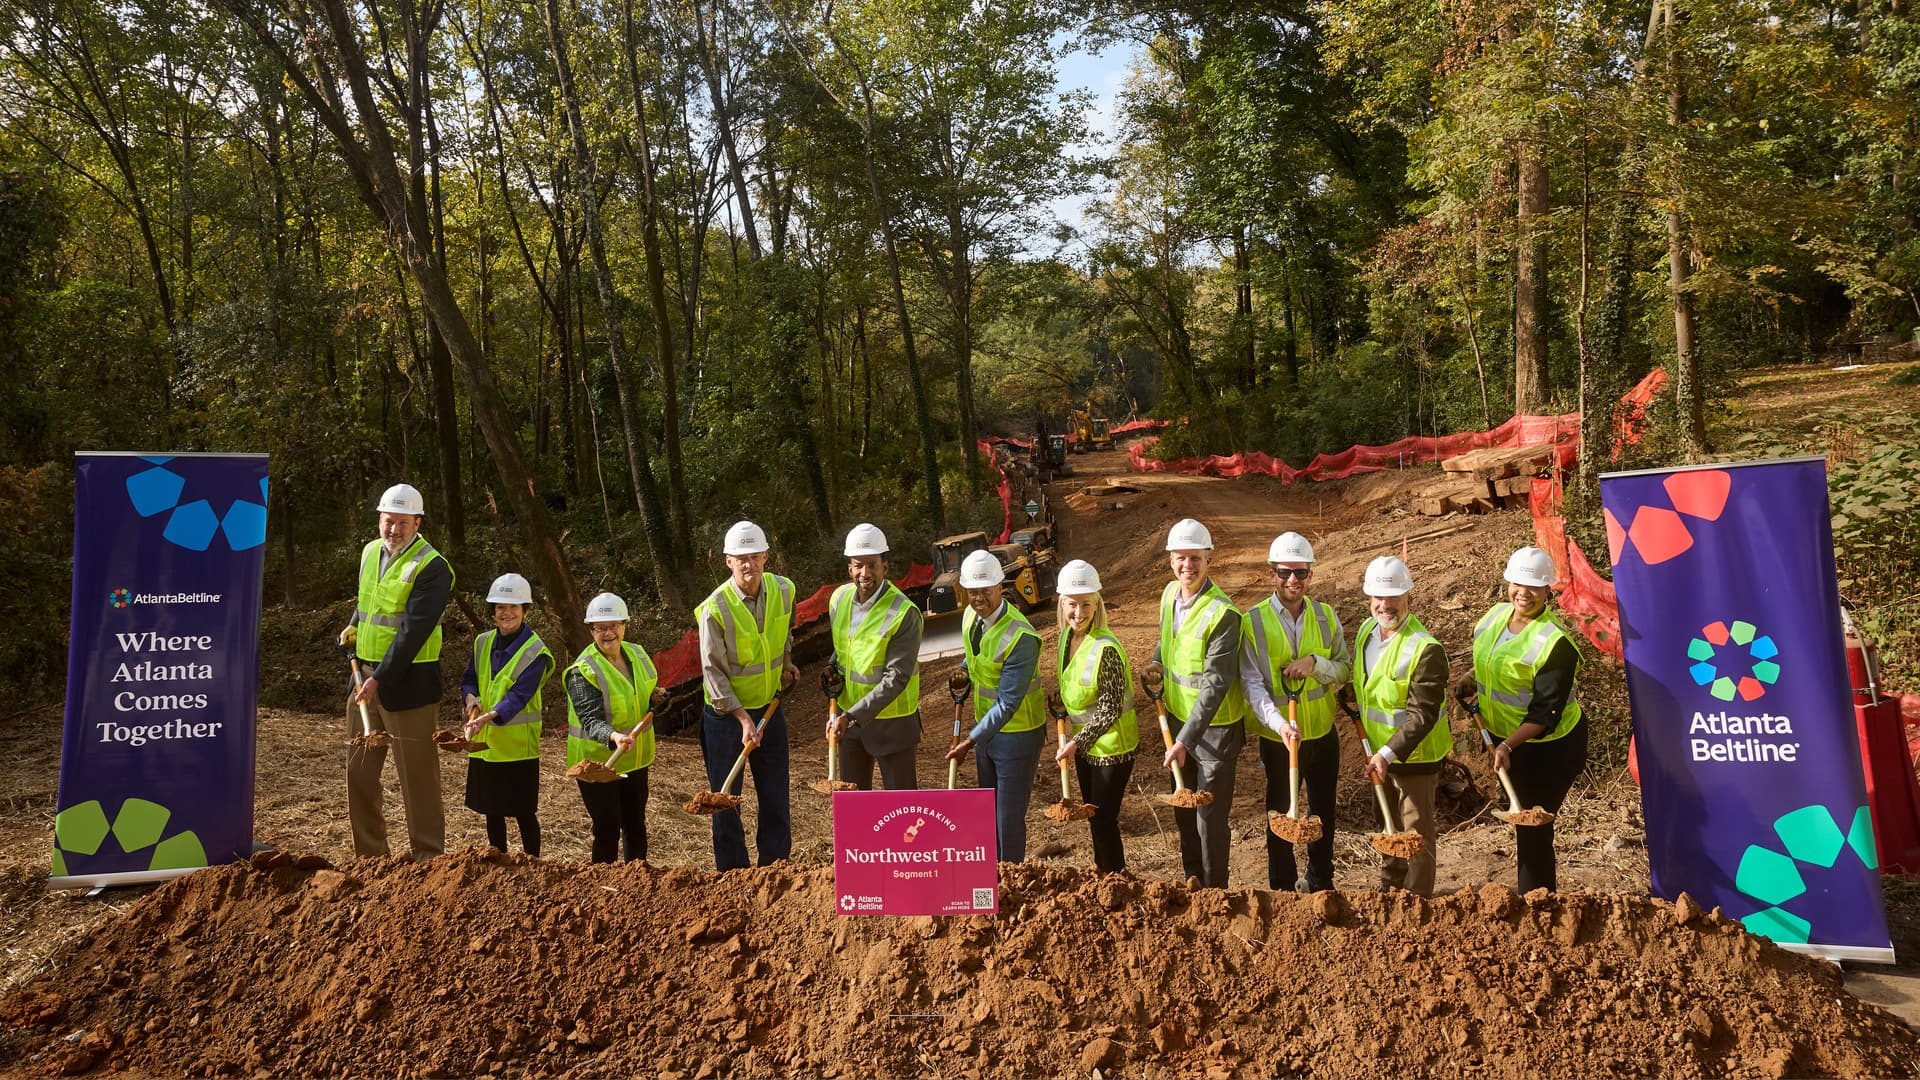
x=1027, y=564
x=1090, y=432
x=1395, y=843
x=1066, y=809
x=713, y=802
x=1514, y=814
x=1294, y=826
x=1056, y=456
x=1153, y=681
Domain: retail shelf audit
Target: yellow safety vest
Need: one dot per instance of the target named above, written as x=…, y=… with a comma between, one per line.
x=1183, y=655
x=1383, y=693
x=383, y=601
x=863, y=652
x=984, y=667
x=519, y=738
x=754, y=648
x=626, y=704
x=1314, y=713
x=1079, y=690
x=1504, y=671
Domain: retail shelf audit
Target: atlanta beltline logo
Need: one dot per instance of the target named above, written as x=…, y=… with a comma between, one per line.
x=1812, y=846
x=118, y=599
x=1735, y=660
x=139, y=829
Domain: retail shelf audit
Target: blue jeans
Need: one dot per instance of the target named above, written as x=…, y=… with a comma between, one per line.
x=720, y=745
x=1006, y=763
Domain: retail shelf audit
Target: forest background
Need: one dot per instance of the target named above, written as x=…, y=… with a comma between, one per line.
x=602, y=277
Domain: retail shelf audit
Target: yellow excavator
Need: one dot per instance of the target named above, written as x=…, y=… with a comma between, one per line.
x=1027, y=559
x=1090, y=432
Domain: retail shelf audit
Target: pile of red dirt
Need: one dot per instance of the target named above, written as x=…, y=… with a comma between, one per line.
x=482, y=963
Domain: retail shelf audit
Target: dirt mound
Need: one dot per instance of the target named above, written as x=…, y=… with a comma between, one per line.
x=484, y=963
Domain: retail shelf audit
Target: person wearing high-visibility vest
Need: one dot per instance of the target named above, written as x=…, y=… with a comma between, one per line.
x=875, y=676
x=1199, y=650
x=1293, y=649
x=1096, y=686
x=1525, y=665
x=404, y=588
x=745, y=635
x=1400, y=683
x=1001, y=658
x=610, y=689
x=505, y=675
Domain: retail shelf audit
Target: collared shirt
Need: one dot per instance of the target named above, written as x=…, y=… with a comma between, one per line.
x=1331, y=671
x=714, y=655
x=1016, y=678
x=523, y=687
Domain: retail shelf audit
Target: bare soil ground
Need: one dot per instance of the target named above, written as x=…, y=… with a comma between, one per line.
x=300, y=807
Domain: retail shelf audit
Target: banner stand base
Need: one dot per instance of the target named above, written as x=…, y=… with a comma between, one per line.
x=1859, y=954
x=97, y=882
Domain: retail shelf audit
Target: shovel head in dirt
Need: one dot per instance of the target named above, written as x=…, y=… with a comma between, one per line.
x=714, y=802
x=453, y=742
x=1295, y=830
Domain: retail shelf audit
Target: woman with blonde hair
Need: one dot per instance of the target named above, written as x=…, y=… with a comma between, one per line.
x=1096, y=686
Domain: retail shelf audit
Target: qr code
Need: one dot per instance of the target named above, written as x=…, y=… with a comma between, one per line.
x=982, y=899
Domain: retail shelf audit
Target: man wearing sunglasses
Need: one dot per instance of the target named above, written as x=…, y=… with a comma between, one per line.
x=1293, y=651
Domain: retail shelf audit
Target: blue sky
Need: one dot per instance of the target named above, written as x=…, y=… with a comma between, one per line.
x=1102, y=74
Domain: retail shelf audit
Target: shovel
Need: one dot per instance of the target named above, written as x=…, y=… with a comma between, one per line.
x=713, y=802
x=1294, y=826
x=368, y=739
x=1394, y=843
x=957, y=688
x=833, y=782
x=602, y=772
x=1182, y=798
x=1066, y=809
x=457, y=742
x=1514, y=814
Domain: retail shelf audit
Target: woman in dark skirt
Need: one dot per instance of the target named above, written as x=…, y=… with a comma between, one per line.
x=502, y=693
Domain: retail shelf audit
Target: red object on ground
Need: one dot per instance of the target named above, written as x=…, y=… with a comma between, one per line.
x=1893, y=797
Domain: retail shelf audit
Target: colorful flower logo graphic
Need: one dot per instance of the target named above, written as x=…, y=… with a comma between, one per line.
x=1660, y=533
x=120, y=597
x=1813, y=842
x=1733, y=658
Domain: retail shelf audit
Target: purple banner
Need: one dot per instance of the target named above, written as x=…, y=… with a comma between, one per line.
x=1750, y=775
x=156, y=765
x=915, y=852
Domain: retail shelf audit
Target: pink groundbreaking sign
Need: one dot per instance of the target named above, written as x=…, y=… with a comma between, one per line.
x=915, y=852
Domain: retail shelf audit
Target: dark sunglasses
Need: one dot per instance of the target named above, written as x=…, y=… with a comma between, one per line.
x=1290, y=572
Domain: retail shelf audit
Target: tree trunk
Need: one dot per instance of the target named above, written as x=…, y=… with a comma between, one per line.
x=646, y=495
x=1686, y=360
x=1530, y=376
x=1243, y=305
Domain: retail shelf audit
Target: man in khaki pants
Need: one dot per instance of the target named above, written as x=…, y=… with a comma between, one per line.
x=395, y=635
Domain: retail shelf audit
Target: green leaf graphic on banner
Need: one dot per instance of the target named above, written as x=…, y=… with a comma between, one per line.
x=140, y=824
x=59, y=868
x=1782, y=926
x=81, y=827
x=1810, y=835
x=1768, y=876
x=179, y=853
x=1860, y=838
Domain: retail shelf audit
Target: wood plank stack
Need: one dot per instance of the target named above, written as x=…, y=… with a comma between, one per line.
x=1482, y=480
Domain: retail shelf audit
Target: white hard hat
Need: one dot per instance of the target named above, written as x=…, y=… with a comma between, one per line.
x=745, y=538
x=1387, y=576
x=510, y=589
x=866, y=539
x=606, y=608
x=402, y=499
x=1290, y=547
x=1189, y=535
x=981, y=570
x=1531, y=566
x=1077, y=578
